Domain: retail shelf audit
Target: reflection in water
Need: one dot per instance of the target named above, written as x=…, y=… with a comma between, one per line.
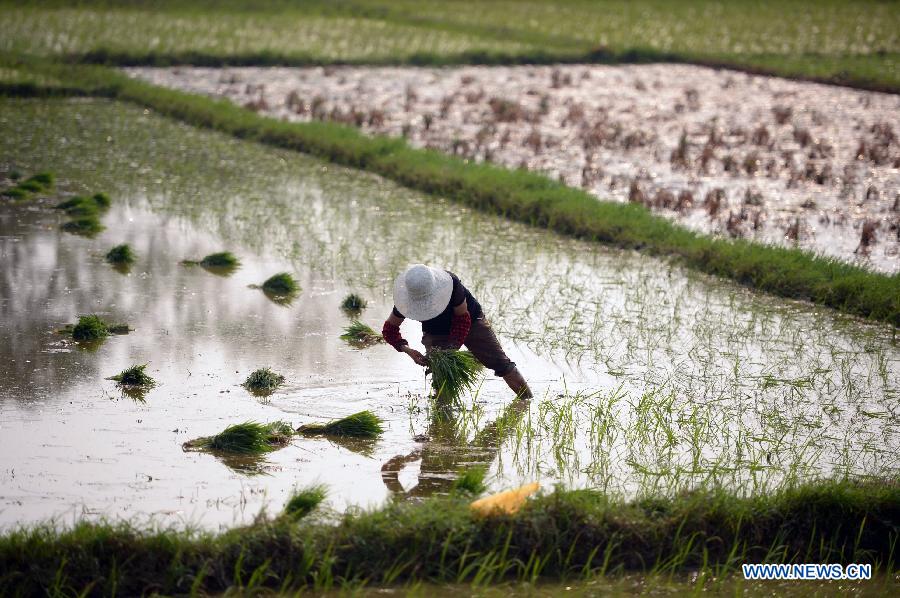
x=446, y=452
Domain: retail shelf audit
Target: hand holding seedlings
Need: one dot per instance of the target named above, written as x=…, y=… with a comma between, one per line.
x=451, y=317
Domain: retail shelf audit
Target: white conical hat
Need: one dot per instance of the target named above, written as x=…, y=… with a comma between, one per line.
x=422, y=293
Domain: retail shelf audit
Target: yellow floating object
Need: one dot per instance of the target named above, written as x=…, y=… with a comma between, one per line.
x=508, y=501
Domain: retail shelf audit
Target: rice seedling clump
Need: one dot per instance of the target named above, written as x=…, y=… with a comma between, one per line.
x=81, y=204
x=281, y=284
x=222, y=259
x=134, y=376
x=247, y=438
x=34, y=184
x=364, y=424
x=120, y=254
x=304, y=501
x=453, y=372
x=353, y=303
x=361, y=334
x=471, y=481
x=263, y=380
x=85, y=225
x=90, y=328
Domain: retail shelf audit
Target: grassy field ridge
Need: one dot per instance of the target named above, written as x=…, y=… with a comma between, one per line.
x=564, y=534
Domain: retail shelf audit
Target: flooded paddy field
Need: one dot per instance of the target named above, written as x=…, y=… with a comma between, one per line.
x=743, y=156
x=648, y=378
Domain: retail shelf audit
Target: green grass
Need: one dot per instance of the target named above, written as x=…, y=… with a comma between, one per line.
x=364, y=424
x=562, y=535
x=353, y=304
x=281, y=284
x=524, y=196
x=248, y=438
x=263, y=380
x=304, y=501
x=120, y=254
x=453, y=373
x=360, y=334
x=134, y=376
x=844, y=42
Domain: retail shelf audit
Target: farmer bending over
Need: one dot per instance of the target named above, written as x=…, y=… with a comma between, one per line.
x=451, y=317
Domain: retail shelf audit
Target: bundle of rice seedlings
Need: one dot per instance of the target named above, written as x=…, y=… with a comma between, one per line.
x=120, y=254
x=263, y=380
x=90, y=328
x=248, y=438
x=16, y=193
x=281, y=284
x=35, y=184
x=134, y=376
x=471, y=481
x=353, y=303
x=302, y=502
x=80, y=204
x=364, y=424
x=361, y=334
x=453, y=372
x=44, y=179
x=87, y=226
x=222, y=259
x=101, y=199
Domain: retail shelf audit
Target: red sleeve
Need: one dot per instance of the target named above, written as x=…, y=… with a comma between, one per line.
x=391, y=334
x=459, y=328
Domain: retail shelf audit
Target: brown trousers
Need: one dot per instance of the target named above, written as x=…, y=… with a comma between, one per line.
x=483, y=344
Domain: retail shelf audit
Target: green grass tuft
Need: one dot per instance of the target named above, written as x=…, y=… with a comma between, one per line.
x=134, y=376
x=248, y=438
x=87, y=226
x=304, y=501
x=361, y=334
x=471, y=481
x=263, y=380
x=281, y=284
x=364, y=424
x=353, y=303
x=453, y=372
x=90, y=328
x=120, y=254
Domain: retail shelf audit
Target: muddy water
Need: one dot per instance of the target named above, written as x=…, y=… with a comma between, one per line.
x=647, y=377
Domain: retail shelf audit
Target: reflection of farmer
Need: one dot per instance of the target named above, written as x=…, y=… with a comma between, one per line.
x=446, y=451
x=451, y=317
